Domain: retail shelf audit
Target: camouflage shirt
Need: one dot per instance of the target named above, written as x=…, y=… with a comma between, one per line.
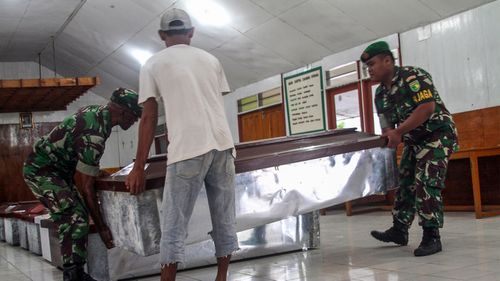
x=411, y=87
x=77, y=143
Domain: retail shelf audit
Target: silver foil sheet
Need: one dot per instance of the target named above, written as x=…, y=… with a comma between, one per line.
x=11, y=231
x=290, y=234
x=22, y=227
x=2, y=230
x=34, y=238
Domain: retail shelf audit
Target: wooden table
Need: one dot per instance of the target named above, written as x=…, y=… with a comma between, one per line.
x=473, y=154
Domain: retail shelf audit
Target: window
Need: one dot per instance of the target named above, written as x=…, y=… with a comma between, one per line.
x=342, y=75
x=248, y=103
x=260, y=100
x=344, y=107
x=347, y=113
x=270, y=97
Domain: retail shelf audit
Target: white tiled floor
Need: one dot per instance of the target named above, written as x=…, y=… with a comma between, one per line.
x=471, y=252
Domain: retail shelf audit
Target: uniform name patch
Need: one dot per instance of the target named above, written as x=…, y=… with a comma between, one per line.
x=415, y=86
x=422, y=95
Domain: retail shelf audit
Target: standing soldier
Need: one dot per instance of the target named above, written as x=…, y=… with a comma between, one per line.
x=75, y=147
x=411, y=111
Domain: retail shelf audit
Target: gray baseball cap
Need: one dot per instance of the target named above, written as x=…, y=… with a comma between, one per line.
x=175, y=15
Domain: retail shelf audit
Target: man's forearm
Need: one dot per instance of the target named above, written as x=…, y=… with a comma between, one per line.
x=89, y=196
x=147, y=127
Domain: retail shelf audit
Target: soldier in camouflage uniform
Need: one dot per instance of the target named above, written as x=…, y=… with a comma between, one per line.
x=411, y=111
x=75, y=147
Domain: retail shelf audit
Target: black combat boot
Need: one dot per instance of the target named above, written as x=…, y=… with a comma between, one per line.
x=431, y=243
x=75, y=272
x=71, y=272
x=398, y=234
x=86, y=277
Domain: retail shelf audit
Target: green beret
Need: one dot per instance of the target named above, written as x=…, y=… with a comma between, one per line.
x=379, y=47
x=127, y=98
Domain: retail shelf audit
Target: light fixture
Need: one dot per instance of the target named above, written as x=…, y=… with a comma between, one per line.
x=208, y=12
x=140, y=55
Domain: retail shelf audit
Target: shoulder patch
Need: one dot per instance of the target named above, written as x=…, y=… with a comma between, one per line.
x=409, y=78
x=415, y=86
x=428, y=81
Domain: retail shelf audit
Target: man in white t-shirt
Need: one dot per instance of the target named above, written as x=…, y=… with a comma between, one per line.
x=190, y=82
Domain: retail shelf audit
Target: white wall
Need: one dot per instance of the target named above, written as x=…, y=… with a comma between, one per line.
x=462, y=54
x=120, y=146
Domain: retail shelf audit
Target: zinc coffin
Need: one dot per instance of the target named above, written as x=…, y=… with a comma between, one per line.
x=276, y=179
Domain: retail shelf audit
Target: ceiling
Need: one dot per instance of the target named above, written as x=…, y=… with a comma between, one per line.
x=263, y=37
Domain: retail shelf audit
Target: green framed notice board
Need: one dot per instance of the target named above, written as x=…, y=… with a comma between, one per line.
x=305, y=102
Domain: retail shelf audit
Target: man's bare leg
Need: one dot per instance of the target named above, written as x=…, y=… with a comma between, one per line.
x=222, y=266
x=168, y=272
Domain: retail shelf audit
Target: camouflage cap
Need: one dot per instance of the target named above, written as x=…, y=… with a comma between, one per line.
x=379, y=47
x=128, y=99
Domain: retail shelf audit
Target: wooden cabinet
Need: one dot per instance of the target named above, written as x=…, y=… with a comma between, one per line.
x=262, y=124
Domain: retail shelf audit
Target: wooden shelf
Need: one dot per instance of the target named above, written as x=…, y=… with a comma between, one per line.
x=49, y=94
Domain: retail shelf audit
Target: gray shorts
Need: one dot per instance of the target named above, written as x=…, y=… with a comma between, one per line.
x=184, y=181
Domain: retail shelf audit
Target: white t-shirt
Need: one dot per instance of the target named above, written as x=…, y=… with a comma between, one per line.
x=190, y=82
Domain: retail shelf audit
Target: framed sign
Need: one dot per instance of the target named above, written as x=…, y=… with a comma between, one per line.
x=305, y=103
x=26, y=120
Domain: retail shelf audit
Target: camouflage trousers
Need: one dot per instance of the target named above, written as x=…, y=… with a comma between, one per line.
x=66, y=209
x=422, y=172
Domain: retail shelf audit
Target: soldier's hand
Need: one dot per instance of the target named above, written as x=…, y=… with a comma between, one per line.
x=393, y=138
x=107, y=237
x=136, y=181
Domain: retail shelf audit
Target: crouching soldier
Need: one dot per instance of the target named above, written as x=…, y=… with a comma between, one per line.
x=72, y=148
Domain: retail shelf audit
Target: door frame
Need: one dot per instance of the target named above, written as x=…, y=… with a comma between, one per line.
x=330, y=106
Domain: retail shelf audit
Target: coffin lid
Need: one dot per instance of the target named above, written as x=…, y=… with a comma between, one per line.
x=258, y=155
